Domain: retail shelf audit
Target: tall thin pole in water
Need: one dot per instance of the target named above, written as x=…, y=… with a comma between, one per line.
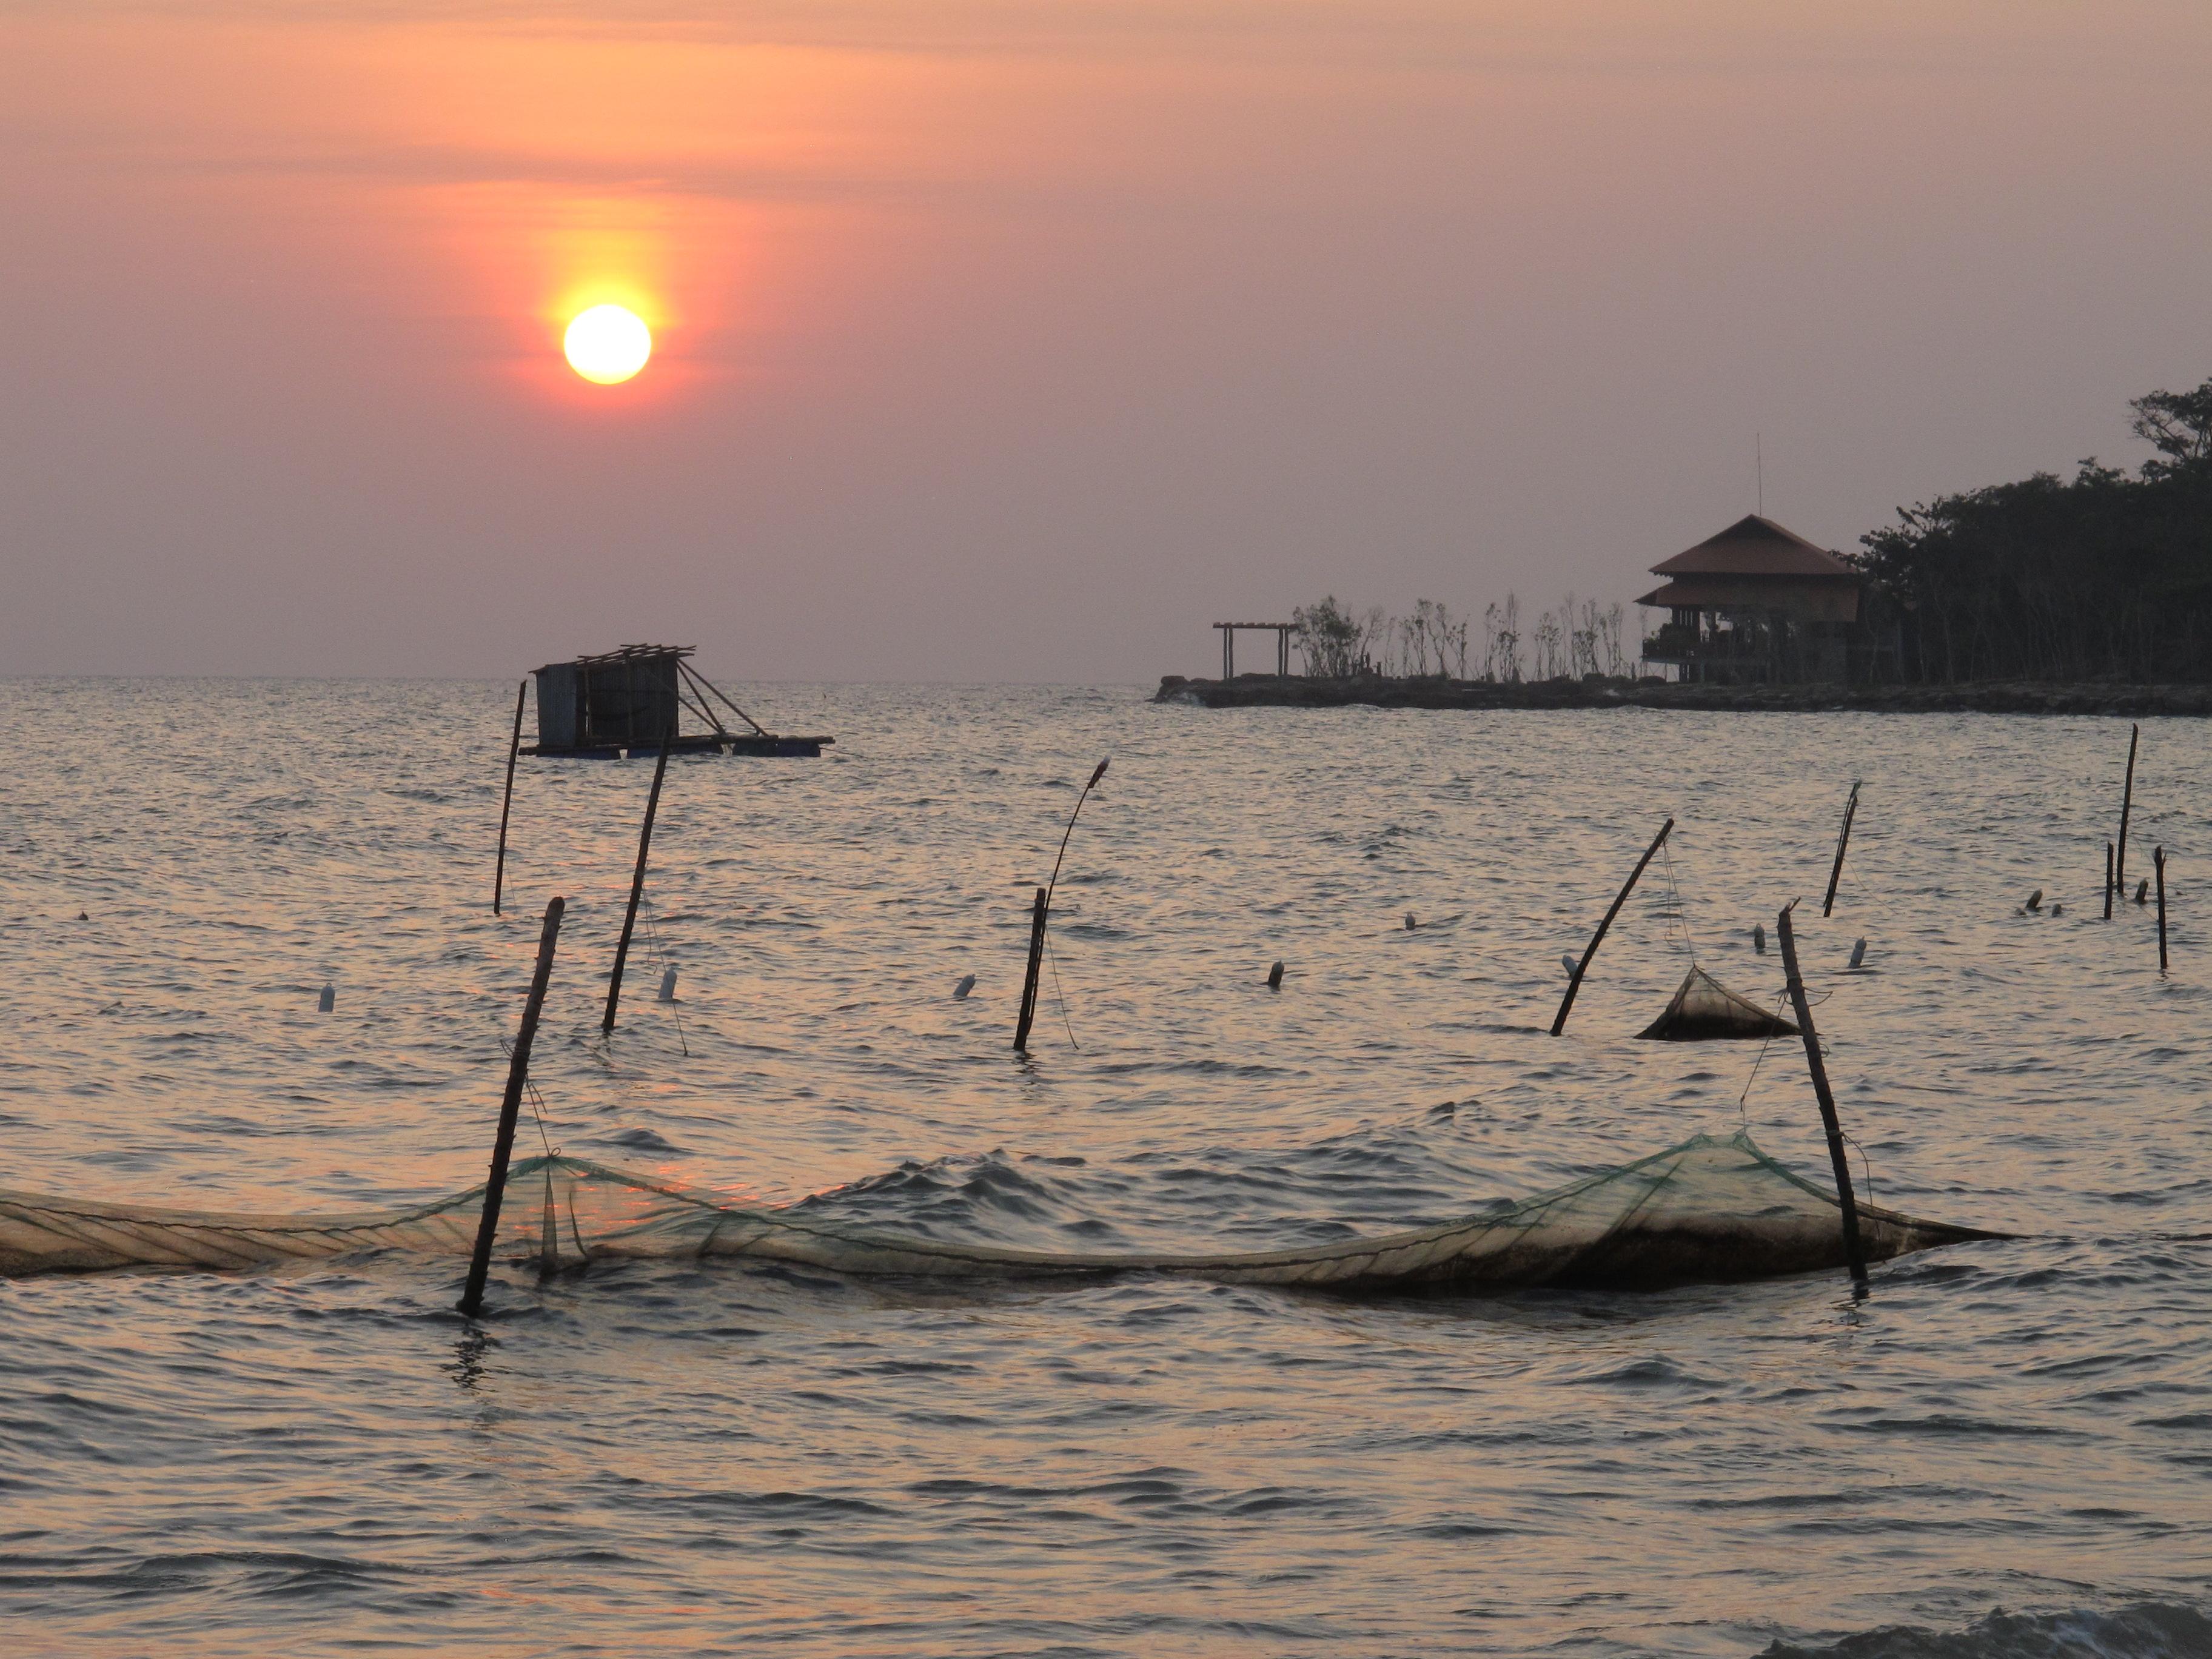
x=1853, y=1250
x=1030, y=978
x=1843, y=840
x=1040, y=914
x=637, y=886
x=2157, y=858
x=1574, y=983
x=502, y=1146
x=2127, y=806
x=507, y=801
x=2108, y=881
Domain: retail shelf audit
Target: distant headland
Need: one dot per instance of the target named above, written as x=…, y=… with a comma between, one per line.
x=1602, y=692
x=2087, y=596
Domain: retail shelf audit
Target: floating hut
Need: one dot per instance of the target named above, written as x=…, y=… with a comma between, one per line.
x=629, y=701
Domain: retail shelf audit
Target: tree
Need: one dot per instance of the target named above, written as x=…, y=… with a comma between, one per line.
x=1504, y=628
x=2177, y=424
x=1329, y=637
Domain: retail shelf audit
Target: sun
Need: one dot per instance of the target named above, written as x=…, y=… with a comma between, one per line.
x=607, y=344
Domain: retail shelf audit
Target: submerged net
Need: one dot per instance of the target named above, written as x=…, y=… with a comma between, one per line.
x=1704, y=1009
x=1709, y=1210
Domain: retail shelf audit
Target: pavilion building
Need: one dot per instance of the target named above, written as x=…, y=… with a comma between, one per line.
x=1760, y=603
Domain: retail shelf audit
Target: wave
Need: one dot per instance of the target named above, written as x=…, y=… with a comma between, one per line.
x=2147, y=1629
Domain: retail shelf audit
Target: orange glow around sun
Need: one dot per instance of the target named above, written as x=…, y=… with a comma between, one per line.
x=610, y=266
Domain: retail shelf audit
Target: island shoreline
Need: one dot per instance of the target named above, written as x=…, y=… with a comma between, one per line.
x=1995, y=697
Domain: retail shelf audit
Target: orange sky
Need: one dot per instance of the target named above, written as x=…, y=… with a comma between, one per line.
x=1005, y=340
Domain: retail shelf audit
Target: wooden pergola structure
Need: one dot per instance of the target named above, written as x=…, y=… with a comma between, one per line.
x=1282, y=631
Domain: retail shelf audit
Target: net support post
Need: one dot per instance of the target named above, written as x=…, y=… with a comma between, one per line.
x=1843, y=840
x=1040, y=916
x=1582, y=965
x=1854, y=1248
x=636, y=888
x=2157, y=862
x=506, y=801
x=1029, y=979
x=2109, y=879
x=502, y=1146
x=2126, y=806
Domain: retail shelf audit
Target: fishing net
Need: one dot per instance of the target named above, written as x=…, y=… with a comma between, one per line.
x=1709, y=1210
x=1704, y=1009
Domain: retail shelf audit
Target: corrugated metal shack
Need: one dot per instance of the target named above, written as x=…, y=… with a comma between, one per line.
x=629, y=701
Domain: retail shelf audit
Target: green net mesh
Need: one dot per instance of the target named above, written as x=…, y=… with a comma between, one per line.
x=1709, y=1210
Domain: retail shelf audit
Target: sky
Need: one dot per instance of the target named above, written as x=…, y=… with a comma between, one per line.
x=1020, y=340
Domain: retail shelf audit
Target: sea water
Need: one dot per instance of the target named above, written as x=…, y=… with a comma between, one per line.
x=2006, y=1447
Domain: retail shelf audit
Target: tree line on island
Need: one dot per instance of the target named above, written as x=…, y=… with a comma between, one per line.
x=1579, y=638
x=2104, y=576
x=2107, y=575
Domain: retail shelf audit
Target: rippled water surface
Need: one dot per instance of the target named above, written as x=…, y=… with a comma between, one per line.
x=2008, y=1444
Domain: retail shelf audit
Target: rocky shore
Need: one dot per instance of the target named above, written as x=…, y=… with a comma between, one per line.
x=1292, y=691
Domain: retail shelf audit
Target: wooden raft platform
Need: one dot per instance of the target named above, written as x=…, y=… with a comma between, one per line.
x=773, y=746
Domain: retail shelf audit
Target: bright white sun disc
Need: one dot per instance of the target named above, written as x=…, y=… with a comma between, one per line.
x=607, y=343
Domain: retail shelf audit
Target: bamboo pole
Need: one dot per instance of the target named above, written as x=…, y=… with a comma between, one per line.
x=1097, y=773
x=502, y=1147
x=1582, y=967
x=1029, y=979
x=1853, y=1250
x=1042, y=914
x=507, y=801
x=2108, y=881
x=2127, y=806
x=1843, y=840
x=636, y=887
x=2157, y=860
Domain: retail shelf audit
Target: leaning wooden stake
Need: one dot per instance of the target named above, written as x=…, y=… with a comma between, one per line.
x=2108, y=881
x=1853, y=1249
x=1029, y=979
x=2127, y=804
x=507, y=801
x=1843, y=840
x=502, y=1146
x=1575, y=983
x=2157, y=860
x=636, y=888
